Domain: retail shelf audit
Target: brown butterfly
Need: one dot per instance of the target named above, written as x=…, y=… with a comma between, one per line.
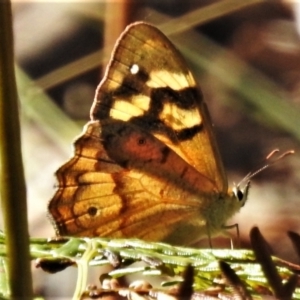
x=147, y=164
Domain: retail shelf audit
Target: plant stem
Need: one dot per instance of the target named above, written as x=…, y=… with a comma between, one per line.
x=13, y=190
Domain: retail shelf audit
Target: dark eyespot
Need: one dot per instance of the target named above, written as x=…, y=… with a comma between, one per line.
x=92, y=211
x=240, y=195
x=141, y=141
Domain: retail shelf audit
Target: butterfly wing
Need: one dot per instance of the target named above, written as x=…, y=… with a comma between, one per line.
x=147, y=165
x=121, y=194
x=149, y=84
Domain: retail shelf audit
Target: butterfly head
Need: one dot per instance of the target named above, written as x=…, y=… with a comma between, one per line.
x=241, y=193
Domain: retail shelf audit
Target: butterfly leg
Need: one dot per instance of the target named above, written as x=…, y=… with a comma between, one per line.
x=209, y=236
x=236, y=226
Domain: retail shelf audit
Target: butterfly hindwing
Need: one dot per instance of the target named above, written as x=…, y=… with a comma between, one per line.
x=99, y=197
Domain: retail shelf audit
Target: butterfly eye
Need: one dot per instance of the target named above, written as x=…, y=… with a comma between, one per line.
x=92, y=211
x=240, y=195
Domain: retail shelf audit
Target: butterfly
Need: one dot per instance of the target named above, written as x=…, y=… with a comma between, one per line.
x=147, y=165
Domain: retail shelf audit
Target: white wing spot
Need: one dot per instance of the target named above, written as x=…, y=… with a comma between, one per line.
x=134, y=69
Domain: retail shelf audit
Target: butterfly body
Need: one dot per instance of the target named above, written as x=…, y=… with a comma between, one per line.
x=147, y=165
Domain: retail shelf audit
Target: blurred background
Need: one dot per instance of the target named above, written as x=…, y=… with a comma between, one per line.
x=245, y=56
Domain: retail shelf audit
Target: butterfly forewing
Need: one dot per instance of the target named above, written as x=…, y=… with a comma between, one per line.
x=149, y=84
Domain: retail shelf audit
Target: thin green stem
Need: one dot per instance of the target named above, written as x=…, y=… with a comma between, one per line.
x=13, y=191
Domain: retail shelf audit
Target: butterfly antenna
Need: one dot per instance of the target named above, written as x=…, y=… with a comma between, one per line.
x=271, y=160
